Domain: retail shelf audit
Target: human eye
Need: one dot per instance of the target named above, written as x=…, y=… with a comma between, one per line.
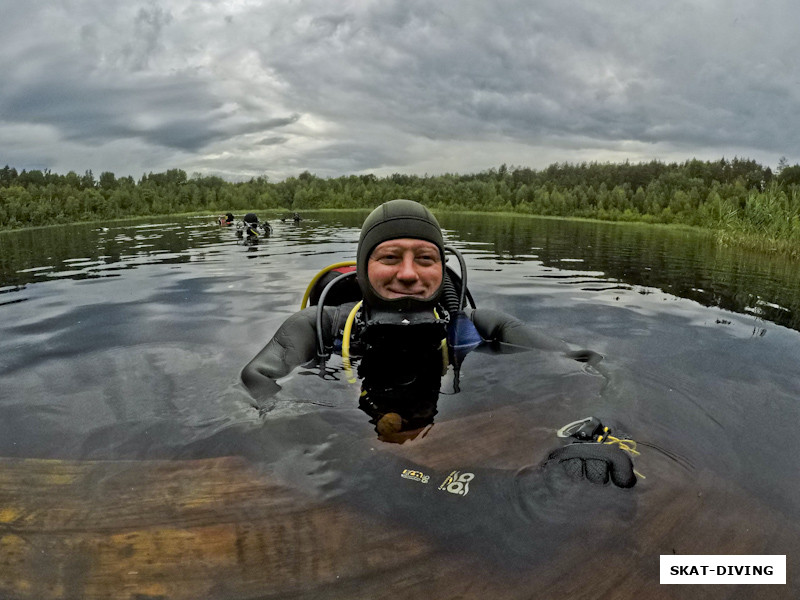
x=427, y=258
x=387, y=257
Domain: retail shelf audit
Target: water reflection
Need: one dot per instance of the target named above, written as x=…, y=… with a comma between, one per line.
x=90, y=251
x=687, y=264
x=594, y=256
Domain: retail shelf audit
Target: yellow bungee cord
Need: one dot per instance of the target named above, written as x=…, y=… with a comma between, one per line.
x=444, y=349
x=625, y=444
x=348, y=327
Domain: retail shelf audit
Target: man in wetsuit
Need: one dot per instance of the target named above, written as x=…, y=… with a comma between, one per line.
x=401, y=273
x=400, y=325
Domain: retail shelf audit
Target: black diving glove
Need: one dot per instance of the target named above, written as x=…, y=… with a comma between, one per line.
x=595, y=462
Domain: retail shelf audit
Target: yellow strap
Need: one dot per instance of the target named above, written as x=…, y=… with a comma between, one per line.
x=444, y=349
x=348, y=327
x=628, y=445
x=316, y=278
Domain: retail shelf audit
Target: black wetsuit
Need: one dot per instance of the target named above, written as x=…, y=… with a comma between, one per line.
x=407, y=383
x=295, y=342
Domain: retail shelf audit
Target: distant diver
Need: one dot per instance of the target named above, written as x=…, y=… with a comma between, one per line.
x=248, y=231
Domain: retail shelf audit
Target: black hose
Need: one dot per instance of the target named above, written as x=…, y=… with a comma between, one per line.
x=464, y=291
x=320, y=342
x=450, y=296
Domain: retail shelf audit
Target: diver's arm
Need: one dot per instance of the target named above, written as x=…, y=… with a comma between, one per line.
x=497, y=326
x=294, y=344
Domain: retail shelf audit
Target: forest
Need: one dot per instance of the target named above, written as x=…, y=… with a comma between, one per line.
x=743, y=202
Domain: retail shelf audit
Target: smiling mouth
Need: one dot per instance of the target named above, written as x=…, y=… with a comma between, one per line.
x=406, y=293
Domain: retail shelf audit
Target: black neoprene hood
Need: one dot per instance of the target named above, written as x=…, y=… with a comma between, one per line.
x=390, y=221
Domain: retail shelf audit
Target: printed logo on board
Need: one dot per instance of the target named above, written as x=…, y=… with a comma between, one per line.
x=415, y=475
x=457, y=483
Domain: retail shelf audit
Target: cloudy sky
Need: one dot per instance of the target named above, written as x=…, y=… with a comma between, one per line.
x=243, y=88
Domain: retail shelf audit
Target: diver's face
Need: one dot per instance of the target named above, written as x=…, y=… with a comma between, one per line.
x=405, y=268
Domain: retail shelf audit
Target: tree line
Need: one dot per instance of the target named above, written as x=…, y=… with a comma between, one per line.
x=738, y=198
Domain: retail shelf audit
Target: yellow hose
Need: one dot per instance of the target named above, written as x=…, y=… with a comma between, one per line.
x=348, y=263
x=348, y=327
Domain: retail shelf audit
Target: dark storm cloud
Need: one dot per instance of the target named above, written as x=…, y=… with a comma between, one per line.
x=274, y=140
x=96, y=112
x=148, y=27
x=350, y=157
x=527, y=71
x=188, y=134
x=392, y=85
x=176, y=110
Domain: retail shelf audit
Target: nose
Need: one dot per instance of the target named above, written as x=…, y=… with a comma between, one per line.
x=406, y=270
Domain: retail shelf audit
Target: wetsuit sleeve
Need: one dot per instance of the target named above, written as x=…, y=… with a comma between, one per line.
x=497, y=326
x=293, y=344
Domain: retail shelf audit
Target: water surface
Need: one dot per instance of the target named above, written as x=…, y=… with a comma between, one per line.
x=135, y=463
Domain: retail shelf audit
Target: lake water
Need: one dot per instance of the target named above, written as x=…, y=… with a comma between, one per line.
x=135, y=465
